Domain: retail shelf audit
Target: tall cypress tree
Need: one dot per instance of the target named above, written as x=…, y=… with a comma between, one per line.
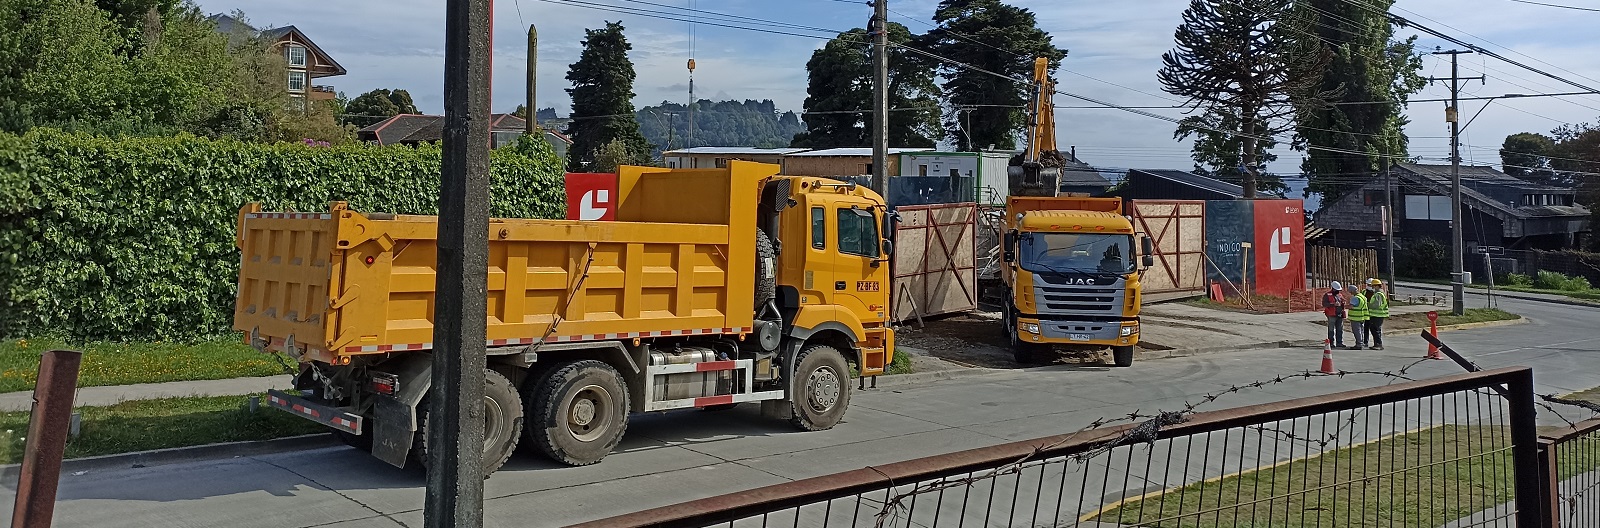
x=602, y=98
x=997, y=37
x=1371, y=73
x=1238, y=65
x=840, y=86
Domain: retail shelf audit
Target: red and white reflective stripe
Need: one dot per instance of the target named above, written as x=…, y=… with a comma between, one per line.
x=344, y=422
x=713, y=400
x=292, y=216
x=558, y=339
x=305, y=410
x=390, y=348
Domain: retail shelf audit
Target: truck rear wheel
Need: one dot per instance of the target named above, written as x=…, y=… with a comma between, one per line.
x=766, y=262
x=1122, y=356
x=502, y=423
x=578, y=412
x=820, y=388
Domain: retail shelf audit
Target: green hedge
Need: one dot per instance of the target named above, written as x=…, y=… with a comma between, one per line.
x=133, y=238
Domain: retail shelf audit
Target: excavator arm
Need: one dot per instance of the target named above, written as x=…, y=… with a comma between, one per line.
x=1037, y=172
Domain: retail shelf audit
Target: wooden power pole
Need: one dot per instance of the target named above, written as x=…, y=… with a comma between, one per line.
x=1453, y=115
x=880, y=98
x=533, y=81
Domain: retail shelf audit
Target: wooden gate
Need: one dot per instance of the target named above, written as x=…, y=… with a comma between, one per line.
x=934, y=265
x=1325, y=264
x=1178, y=228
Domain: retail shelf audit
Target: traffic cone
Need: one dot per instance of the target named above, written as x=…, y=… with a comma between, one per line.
x=1327, y=359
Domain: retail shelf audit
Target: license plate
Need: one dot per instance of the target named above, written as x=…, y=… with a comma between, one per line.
x=1077, y=337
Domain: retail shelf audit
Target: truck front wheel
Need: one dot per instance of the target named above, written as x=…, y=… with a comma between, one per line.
x=1122, y=355
x=820, y=388
x=502, y=423
x=578, y=412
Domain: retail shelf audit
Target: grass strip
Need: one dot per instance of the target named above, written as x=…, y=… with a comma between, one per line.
x=143, y=425
x=140, y=362
x=1449, y=472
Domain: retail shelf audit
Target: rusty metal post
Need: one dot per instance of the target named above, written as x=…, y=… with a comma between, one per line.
x=1550, y=481
x=1524, y=449
x=47, y=439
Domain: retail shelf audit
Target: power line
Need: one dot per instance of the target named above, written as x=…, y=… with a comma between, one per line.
x=1557, y=5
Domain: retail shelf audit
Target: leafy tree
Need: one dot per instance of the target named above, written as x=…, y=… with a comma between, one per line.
x=1238, y=66
x=602, y=97
x=748, y=123
x=1365, y=64
x=615, y=154
x=840, y=87
x=382, y=102
x=997, y=37
x=543, y=114
x=1219, y=155
x=1526, y=155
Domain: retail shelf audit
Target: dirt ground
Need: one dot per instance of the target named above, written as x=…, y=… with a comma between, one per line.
x=976, y=340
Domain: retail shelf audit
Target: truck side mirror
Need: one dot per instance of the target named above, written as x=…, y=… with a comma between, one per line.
x=888, y=247
x=1009, y=253
x=1148, y=247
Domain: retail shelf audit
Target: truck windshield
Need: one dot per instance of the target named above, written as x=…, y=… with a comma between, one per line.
x=1092, y=253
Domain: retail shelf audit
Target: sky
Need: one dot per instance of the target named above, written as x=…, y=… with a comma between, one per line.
x=1114, y=52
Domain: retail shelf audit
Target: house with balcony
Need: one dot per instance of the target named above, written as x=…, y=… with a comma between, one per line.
x=306, y=61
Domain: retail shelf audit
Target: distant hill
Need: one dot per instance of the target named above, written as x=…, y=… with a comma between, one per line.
x=749, y=123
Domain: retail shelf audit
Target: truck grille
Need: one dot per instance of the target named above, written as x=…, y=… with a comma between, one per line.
x=1054, y=296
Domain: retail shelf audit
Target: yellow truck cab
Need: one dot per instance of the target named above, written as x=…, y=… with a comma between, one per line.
x=1071, y=276
x=712, y=287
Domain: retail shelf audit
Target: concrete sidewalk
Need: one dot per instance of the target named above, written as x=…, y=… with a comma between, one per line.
x=113, y=394
x=1185, y=327
x=1542, y=297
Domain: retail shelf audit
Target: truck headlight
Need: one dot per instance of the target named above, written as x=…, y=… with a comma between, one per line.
x=1032, y=328
x=1130, y=330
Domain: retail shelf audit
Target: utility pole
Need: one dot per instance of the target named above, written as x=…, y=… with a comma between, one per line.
x=533, y=80
x=1388, y=217
x=454, y=495
x=689, y=143
x=1453, y=115
x=880, y=98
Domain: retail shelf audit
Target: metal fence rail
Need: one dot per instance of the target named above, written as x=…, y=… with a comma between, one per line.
x=1571, y=458
x=1438, y=452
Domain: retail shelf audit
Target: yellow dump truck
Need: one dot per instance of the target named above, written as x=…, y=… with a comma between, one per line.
x=712, y=287
x=1070, y=276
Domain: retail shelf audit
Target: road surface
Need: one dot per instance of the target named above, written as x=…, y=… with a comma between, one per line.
x=669, y=458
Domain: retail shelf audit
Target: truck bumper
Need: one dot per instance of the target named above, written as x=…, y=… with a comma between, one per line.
x=329, y=416
x=1093, y=333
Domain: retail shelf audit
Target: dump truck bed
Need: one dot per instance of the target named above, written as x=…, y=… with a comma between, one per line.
x=338, y=284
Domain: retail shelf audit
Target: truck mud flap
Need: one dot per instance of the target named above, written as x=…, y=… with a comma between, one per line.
x=329, y=416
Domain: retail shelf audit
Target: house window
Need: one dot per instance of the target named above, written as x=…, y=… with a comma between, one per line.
x=296, y=55
x=869, y=169
x=505, y=138
x=297, y=103
x=1372, y=197
x=1421, y=207
x=922, y=170
x=722, y=163
x=858, y=233
x=297, y=82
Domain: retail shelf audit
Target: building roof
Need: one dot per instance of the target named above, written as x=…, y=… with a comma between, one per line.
x=1194, y=180
x=1485, y=186
x=231, y=26
x=855, y=152
x=734, y=151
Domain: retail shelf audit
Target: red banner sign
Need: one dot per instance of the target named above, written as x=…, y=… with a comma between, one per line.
x=591, y=196
x=1280, y=242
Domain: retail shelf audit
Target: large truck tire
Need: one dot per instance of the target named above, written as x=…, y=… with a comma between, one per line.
x=577, y=412
x=1122, y=356
x=502, y=423
x=766, y=270
x=820, y=388
x=1023, y=352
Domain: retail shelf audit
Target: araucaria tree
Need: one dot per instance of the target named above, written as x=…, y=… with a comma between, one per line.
x=1357, y=104
x=1237, y=63
x=840, y=86
x=602, y=99
x=986, y=109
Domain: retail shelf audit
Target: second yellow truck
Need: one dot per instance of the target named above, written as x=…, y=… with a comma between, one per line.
x=713, y=287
